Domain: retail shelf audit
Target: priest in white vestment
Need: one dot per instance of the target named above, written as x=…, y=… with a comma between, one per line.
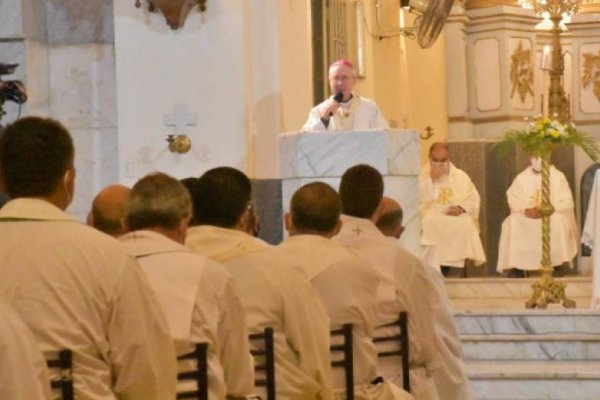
x=451, y=379
x=344, y=110
x=403, y=286
x=521, y=237
x=346, y=283
x=23, y=372
x=74, y=287
x=281, y=298
x=197, y=294
x=449, y=208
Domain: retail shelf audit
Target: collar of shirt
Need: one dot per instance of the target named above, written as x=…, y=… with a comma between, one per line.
x=145, y=243
x=35, y=209
x=359, y=227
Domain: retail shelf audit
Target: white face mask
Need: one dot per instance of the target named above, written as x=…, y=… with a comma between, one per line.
x=536, y=164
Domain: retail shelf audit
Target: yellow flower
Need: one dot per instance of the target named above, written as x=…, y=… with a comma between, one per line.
x=554, y=133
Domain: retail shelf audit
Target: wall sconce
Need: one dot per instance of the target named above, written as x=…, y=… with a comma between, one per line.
x=180, y=144
x=175, y=11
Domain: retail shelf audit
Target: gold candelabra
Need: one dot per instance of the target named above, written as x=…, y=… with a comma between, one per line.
x=546, y=290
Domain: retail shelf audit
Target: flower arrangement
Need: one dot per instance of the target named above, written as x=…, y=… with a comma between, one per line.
x=544, y=133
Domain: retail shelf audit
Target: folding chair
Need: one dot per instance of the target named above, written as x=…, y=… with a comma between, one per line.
x=199, y=375
x=64, y=382
x=400, y=338
x=347, y=360
x=264, y=360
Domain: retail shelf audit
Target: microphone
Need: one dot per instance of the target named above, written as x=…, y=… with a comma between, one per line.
x=339, y=96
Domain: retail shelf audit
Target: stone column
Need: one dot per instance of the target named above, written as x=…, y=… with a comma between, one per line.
x=23, y=40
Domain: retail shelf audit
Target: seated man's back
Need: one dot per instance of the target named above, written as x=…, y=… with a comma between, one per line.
x=196, y=293
x=403, y=285
x=76, y=288
x=23, y=372
x=283, y=299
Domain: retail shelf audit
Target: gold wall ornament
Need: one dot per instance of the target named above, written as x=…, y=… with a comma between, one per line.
x=591, y=72
x=521, y=73
x=180, y=144
x=175, y=11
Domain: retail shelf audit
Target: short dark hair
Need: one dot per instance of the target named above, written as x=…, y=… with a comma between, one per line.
x=157, y=200
x=35, y=153
x=389, y=220
x=361, y=190
x=221, y=196
x=435, y=145
x=315, y=207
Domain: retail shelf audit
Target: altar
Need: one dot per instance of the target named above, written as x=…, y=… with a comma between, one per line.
x=306, y=157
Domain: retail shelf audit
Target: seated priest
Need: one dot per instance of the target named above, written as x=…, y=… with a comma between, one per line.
x=451, y=379
x=404, y=283
x=107, y=210
x=281, y=298
x=23, y=372
x=74, y=287
x=197, y=294
x=346, y=283
x=344, y=110
x=521, y=237
x=449, y=208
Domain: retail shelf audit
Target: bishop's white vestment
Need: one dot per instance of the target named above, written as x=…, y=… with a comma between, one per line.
x=281, y=298
x=456, y=238
x=201, y=304
x=521, y=237
x=359, y=113
x=77, y=288
x=347, y=285
x=403, y=286
x=23, y=372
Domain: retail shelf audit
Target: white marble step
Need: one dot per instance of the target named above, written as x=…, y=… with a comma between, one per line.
x=557, y=380
x=552, y=321
x=578, y=347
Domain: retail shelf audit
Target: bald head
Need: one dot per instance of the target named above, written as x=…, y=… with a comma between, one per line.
x=390, y=219
x=108, y=209
x=315, y=209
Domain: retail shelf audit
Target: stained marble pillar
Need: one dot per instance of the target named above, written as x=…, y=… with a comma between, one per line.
x=66, y=52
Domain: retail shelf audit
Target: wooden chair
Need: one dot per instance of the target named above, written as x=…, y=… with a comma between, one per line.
x=347, y=360
x=400, y=338
x=264, y=360
x=64, y=382
x=199, y=375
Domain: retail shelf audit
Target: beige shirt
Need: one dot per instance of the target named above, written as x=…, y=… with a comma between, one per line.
x=347, y=285
x=201, y=303
x=76, y=288
x=404, y=286
x=281, y=298
x=23, y=372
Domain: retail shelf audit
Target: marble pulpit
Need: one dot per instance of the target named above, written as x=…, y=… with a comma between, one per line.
x=306, y=157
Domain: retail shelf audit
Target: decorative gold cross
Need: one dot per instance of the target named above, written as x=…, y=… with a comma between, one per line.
x=357, y=231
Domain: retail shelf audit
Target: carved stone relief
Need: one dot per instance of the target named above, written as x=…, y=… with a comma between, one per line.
x=521, y=73
x=591, y=72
